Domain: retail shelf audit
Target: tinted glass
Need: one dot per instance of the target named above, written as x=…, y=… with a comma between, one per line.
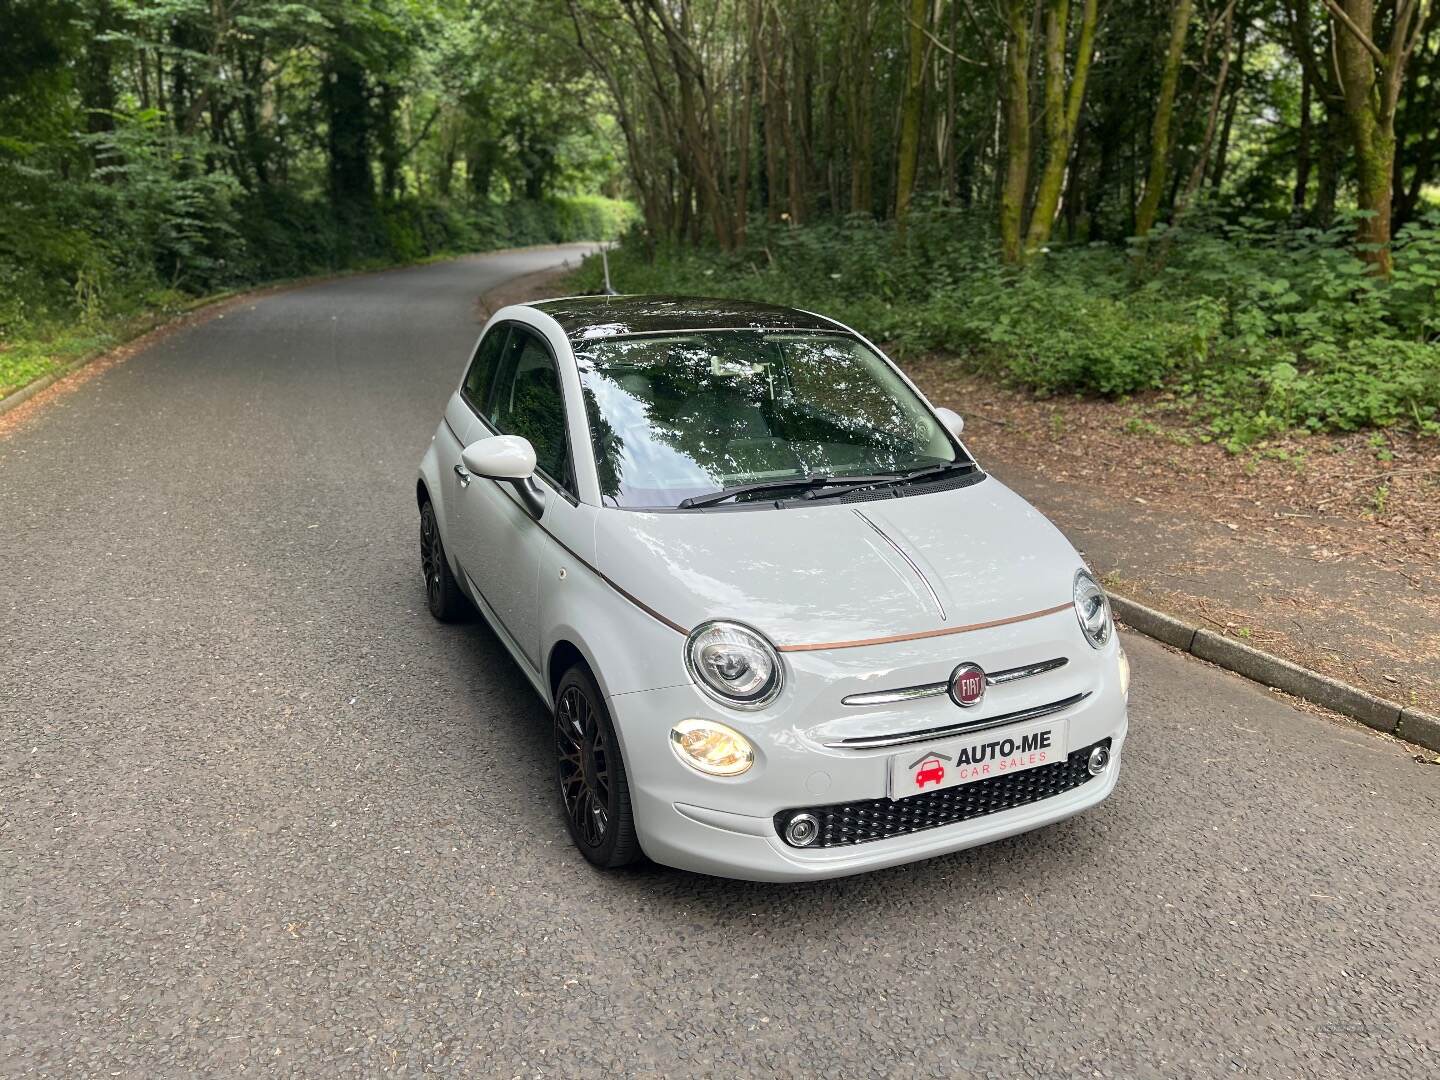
x=527, y=401
x=482, y=367
x=677, y=416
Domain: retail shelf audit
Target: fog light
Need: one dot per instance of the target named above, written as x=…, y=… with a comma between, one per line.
x=711, y=747
x=802, y=830
x=1099, y=758
x=1124, y=674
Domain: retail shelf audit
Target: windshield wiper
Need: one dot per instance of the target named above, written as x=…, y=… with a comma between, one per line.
x=800, y=483
x=935, y=470
x=909, y=477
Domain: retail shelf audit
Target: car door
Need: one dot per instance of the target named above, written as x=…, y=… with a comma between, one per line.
x=500, y=542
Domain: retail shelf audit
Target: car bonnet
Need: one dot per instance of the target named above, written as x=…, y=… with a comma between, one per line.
x=835, y=574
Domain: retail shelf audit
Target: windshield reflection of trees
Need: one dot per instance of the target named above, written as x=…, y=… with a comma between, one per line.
x=724, y=407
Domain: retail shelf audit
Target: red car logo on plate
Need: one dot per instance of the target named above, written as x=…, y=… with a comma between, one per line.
x=931, y=771
x=967, y=685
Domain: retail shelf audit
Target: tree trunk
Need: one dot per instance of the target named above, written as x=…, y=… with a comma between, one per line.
x=914, y=101
x=1372, y=76
x=1327, y=170
x=1062, y=111
x=1017, y=131
x=771, y=105
x=952, y=117
x=1374, y=144
x=347, y=107
x=1302, y=151
x=800, y=132
x=387, y=120
x=1160, y=140
x=793, y=132
x=1222, y=151
x=1212, y=117
x=1415, y=121
x=746, y=131
x=97, y=84
x=480, y=163
x=859, y=106
x=1422, y=164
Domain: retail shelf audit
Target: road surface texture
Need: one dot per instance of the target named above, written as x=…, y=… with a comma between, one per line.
x=260, y=814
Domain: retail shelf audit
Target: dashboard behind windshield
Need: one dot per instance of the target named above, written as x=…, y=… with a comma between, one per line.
x=679, y=416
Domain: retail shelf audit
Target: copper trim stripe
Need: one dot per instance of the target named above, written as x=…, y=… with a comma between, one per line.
x=611, y=582
x=921, y=635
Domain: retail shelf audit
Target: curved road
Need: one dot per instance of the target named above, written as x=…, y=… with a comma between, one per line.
x=258, y=812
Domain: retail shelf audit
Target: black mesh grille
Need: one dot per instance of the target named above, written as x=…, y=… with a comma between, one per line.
x=879, y=819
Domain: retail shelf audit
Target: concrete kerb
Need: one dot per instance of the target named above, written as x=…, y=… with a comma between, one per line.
x=1414, y=725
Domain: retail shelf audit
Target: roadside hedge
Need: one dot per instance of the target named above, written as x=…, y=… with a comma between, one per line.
x=77, y=273
x=1251, y=328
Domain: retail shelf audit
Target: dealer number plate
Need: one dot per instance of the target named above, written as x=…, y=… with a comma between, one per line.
x=965, y=759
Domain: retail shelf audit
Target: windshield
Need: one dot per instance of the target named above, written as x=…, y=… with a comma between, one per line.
x=686, y=415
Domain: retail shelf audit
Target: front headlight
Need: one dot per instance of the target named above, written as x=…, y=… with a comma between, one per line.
x=734, y=664
x=1092, y=609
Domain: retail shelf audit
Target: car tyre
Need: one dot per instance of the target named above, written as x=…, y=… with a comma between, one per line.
x=594, y=790
x=442, y=592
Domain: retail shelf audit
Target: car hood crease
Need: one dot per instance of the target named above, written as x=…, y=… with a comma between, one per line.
x=808, y=574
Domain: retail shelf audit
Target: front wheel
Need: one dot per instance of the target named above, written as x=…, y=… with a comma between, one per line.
x=442, y=593
x=594, y=792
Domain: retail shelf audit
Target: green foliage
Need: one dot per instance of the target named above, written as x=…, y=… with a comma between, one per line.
x=150, y=246
x=158, y=151
x=1255, y=328
x=155, y=194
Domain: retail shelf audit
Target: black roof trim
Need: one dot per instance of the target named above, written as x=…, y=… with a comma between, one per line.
x=589, y=317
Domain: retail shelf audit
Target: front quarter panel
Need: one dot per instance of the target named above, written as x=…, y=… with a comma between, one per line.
x=438, y=462
x=627, y=648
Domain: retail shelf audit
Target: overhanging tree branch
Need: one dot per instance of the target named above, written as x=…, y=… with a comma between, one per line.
x=1360, y=35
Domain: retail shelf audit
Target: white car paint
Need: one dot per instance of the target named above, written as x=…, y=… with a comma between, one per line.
x=857, y=597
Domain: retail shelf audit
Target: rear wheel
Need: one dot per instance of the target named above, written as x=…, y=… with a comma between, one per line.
x=594, y=792
x=442, y=593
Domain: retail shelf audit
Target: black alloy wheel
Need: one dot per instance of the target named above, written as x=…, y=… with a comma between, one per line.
x=594, y=792
x=442, y=593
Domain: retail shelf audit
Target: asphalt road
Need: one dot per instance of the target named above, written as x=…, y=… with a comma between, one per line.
x=258, y=812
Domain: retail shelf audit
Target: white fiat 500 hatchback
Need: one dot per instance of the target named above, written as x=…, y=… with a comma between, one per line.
x=787, y=626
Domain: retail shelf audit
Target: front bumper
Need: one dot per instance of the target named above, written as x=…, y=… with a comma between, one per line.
x=728, y=827
x=740, y=846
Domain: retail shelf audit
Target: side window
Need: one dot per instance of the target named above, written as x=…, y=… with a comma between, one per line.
x=482, y=367
x=527, y=401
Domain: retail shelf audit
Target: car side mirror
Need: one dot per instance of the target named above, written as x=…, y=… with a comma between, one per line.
x=509, y=459
x=952, y=420
x=500, y=457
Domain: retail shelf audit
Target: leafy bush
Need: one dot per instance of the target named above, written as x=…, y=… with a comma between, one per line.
x=1257, y=329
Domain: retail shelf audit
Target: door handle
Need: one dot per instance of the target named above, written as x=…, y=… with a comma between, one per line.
x=463, y=475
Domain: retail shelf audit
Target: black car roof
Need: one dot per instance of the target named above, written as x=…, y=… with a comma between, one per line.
x=583, y=317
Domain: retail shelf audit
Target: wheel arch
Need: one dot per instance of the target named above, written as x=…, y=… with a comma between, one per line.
x=564, y=654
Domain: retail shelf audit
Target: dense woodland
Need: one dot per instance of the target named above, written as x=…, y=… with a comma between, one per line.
x=1229, y=202
x=1094, y=119
x=152, y=150
x=1232, y=200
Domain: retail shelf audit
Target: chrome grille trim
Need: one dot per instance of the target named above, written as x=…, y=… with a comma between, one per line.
x=905, y=693
x=871, y=742
x=1011, y=674
x=925, y=690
